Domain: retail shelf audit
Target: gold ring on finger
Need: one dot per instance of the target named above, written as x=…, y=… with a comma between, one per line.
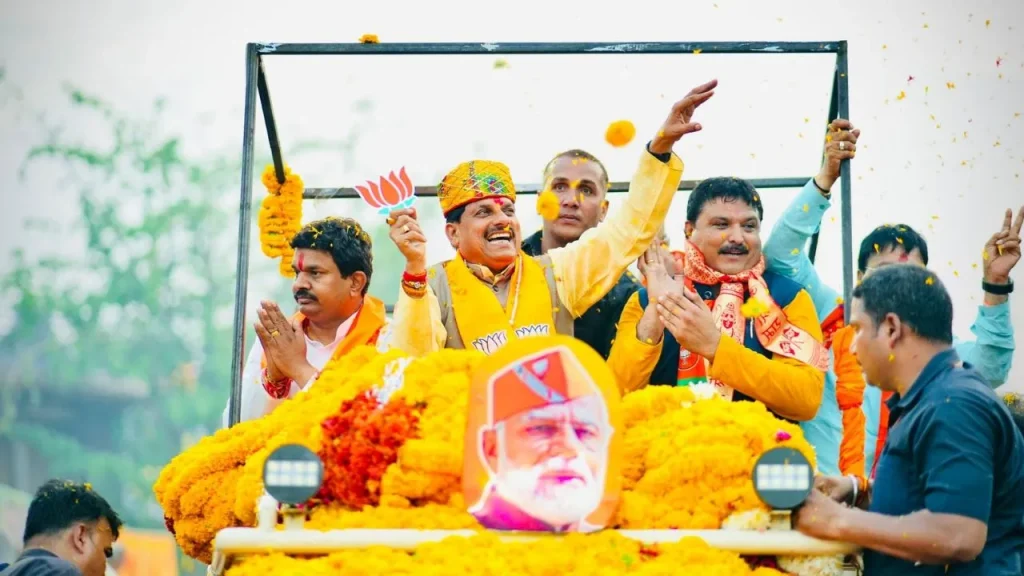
x=390, y=220
x=275, y=334
x=405, y=229
x=842, y=145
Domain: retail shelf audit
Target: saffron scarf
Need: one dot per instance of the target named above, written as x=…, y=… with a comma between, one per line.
x=483, y=323
x=773, y=330
x=365, y=328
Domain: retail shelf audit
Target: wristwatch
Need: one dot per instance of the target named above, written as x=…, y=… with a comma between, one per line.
x=997, y=289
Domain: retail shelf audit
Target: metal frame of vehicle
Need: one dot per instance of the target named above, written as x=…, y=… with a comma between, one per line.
x=256, y=87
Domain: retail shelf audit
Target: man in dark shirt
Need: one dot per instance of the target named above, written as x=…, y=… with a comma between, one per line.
x=948, y=495
x=580, y=182
x=70, y=531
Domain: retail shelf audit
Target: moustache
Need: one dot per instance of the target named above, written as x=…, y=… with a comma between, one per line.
x=736, y=250
x=304, y=294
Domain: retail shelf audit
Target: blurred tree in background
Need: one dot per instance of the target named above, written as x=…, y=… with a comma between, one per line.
x=119, y=357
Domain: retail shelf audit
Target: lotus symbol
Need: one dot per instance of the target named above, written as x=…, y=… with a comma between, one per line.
x=393, y=192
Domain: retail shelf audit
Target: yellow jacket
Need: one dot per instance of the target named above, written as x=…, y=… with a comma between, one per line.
x=584, y=271
x=788, y=387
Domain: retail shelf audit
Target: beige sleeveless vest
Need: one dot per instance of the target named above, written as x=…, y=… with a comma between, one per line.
x=438, y=279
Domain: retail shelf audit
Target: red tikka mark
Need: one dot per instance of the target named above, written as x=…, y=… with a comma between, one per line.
x=904, y=257
x=301, y=264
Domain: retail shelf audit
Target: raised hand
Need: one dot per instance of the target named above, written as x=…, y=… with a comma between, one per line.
x=1002, y=251
x=408, y=236
x=840, y=144
x=680, y=120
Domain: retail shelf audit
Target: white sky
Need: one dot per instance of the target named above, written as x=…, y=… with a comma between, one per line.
x=950, y=153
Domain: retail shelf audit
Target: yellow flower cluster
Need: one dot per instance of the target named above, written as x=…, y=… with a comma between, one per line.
x=216, y=483
x=280, y=216
x=687, y=464
x=575, y=554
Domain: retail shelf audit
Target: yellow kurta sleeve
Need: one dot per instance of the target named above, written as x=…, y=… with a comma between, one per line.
x=631, y=360
x=416, y=326
x=789, y=387
x=587, y=269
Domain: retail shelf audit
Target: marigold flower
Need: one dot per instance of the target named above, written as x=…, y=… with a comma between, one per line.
x=620, y=133
x=548, y=205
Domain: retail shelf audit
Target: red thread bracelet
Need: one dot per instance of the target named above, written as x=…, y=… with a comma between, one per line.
x=407, y=277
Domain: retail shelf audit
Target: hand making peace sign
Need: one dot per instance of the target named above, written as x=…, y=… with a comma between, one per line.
x=1002, y=251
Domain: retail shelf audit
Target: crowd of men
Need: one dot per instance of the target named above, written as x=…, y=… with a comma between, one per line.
x=907, y=428
x=920, y=463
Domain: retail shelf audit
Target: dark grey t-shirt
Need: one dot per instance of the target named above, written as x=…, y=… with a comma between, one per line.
x=36, y=562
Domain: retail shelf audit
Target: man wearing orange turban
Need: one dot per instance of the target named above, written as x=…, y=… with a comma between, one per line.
x=492, y=292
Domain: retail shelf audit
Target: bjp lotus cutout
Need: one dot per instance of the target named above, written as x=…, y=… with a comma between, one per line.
x=542, y=453
x=393, y=192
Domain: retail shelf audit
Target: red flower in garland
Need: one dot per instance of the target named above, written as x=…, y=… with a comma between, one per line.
x=763, y=562
x=359, y=444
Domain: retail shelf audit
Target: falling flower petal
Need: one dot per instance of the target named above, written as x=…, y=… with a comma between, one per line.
x=929, y=281
x=500, y=63
x=369, y=39
x=901, y=95
x=753, y=308
x=950, y=85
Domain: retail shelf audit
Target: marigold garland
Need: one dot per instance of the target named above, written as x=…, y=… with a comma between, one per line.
x=280, y=216
x=359, y=443
x=686, y=464
x=575, y=554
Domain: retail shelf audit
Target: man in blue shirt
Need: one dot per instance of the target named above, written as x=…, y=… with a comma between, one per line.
x=70, y=531
x=785, y=254
x=948, y=497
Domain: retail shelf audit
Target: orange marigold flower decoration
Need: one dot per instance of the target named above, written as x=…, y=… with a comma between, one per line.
x=548, y=205
x=620, y=133
x=280, y=216
x=359, y=443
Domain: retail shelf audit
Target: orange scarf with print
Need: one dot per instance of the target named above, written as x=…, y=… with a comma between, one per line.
x=773, y=330
x=366, y=327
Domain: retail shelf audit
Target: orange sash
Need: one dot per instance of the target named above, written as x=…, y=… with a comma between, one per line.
x=831, y=325
x=773, y=330
x=365, y=329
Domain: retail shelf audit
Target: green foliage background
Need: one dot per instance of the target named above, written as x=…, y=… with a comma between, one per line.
x=147, y=306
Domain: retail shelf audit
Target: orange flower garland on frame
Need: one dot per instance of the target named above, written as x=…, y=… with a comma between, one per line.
x=280, y=216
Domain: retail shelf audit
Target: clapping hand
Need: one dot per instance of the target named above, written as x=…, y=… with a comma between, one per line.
x=689, y=320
